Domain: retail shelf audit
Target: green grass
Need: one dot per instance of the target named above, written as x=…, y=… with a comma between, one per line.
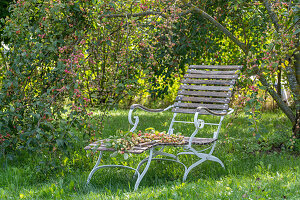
x=255, y=169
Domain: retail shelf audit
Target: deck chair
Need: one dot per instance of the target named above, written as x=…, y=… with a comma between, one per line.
x=205, y=90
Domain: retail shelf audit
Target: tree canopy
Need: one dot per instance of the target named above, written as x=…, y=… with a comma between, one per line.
x=66, y=56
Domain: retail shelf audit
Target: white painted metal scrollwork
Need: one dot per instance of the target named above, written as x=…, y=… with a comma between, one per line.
x=230, y=111
x=203, y=156
x=199, y=124
x=140, y=175
x=136, y=118
x=148, y=159
x=157, y=153
x=171, y=129
x=219, y=128
x=94, y=168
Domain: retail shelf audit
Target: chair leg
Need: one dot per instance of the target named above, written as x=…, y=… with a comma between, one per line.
x=203, y=157
x=156, y=153
x=140, y=176
x=191, y=167
x=94, y=169
x=139, y=166
x=137, y=183
x=215, y=159
x=162, y=159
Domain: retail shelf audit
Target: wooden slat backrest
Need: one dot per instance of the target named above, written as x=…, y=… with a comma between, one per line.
x=208, y=82
x=225, y=67
x=209, y=86
x=194, y=75
x=211, y=72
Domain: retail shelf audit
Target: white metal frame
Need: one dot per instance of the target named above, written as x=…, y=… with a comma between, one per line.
x=188, y=149
x=140, y=175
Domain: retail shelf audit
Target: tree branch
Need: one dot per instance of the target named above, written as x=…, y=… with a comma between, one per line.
x=272, y=14
x=291, y=75
x=219, y=26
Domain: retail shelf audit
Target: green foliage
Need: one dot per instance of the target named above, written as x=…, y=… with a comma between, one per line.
x=64, y=57
x=39, y=77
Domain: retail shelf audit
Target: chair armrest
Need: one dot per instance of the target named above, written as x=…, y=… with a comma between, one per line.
x=134, y=106
x=199, y=124
x=136, y=121
x=230, y=110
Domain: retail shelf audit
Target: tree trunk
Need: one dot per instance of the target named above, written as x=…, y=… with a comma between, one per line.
x=273, y=16
x=296, y=128
x=292, y=73
x=279, y=82
x=283, y=106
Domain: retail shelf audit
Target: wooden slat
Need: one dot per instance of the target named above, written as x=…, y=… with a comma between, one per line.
x=102, y=147
x=215, y=67
x=201, y=99
x=138, y=149
x=194, y=71
x=98, y=148
x=192, y=111
x=208, y=82
x=211, y=76
x=196, y=105
x=200, y=141
x=142, y=148
x=211, y=88
x=205, y=94
x=146, y=143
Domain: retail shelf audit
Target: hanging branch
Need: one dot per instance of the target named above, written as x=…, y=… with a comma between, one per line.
x=219, y=26
x=272, y=15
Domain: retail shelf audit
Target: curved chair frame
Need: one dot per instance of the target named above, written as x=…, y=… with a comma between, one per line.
x=194, y=77
x=199, y=124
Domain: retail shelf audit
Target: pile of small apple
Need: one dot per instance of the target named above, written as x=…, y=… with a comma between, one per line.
x=129, y=139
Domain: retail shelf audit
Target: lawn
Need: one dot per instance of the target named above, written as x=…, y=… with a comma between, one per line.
x=264, y=168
